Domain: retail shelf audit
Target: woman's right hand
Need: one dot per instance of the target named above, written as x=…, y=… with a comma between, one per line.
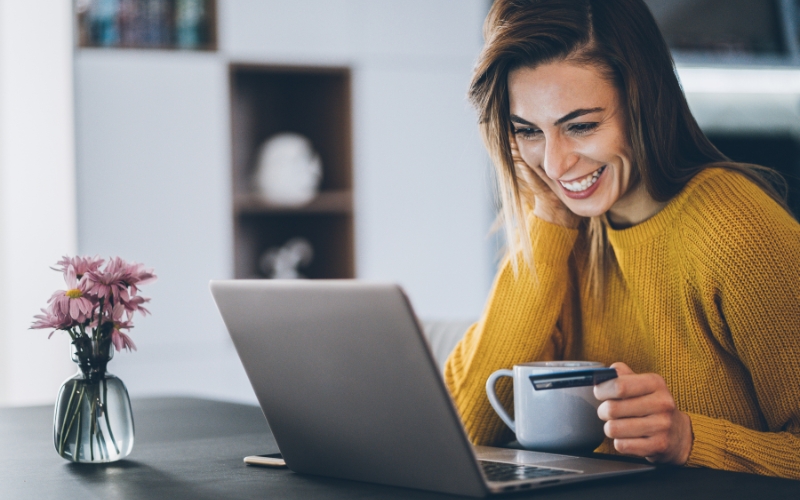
x=533, y=188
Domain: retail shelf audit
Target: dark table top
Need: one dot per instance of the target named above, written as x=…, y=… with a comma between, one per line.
x=193, y=449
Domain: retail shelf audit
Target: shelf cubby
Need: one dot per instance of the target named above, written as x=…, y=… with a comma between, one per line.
x=314, y=102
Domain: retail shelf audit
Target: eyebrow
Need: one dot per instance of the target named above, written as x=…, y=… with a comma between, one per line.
x=569, y=116
x=575, y=114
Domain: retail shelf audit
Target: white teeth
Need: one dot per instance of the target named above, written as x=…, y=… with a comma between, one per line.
x=585, y=183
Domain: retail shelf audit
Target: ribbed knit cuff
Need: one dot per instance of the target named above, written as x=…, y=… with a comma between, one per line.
x=551, y=243
x=710, y=442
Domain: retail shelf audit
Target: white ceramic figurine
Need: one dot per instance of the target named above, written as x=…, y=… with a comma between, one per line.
x=288, y=170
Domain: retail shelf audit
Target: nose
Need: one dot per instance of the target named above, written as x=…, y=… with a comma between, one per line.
x=559, y=157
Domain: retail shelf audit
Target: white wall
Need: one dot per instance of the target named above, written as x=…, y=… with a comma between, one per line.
x=422, y=207
x=154, y=187
x=422, y=199
x=37, y=192
x=155, y=127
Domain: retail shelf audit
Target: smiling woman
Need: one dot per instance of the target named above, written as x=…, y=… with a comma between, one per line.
x=631, y=240
x=581, y=143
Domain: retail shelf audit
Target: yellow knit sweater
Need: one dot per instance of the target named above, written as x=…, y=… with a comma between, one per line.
x=705, y=293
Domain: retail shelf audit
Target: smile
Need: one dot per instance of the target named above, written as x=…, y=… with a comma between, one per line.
x=583, y=183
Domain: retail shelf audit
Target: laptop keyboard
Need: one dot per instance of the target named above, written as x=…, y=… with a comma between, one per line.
x=501, y=472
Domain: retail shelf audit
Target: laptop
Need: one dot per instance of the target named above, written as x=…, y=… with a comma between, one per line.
x=349, y=388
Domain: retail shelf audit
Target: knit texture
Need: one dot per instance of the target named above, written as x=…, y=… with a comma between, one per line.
x=705, y=293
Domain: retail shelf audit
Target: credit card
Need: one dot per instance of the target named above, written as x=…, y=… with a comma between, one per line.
x=574, y=378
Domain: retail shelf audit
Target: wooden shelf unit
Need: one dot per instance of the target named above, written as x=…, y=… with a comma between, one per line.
x=327, y=202
x=316, y=103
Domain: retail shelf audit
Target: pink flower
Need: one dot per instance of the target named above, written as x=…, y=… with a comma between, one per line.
x=118, y=338
x=121, y=341
x=109, y=284
x=73, y=302
x=119, y=283
x=50, y=319
x=82, y=265
x=136, y=275
x=91, y=281
x=134, y=304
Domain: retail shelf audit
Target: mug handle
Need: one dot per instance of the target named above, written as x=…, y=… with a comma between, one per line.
x=498, y=407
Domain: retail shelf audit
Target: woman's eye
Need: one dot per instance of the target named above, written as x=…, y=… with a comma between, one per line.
x=582, y=128
x=527, y=133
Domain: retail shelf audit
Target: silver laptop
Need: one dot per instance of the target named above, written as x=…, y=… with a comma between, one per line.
x=350, y=390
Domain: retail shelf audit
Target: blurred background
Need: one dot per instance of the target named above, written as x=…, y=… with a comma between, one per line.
x=213, y=139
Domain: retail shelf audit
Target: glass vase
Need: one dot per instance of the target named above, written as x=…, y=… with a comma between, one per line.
x=93, y=422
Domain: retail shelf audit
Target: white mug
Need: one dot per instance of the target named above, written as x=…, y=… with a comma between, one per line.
x=555, y=420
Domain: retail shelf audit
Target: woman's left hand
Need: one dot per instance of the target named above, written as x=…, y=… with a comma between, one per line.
x=642, y=418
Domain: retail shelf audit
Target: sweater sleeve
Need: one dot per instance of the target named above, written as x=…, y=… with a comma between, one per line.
x=721, y=444
x=517, y=326
x=756, y=272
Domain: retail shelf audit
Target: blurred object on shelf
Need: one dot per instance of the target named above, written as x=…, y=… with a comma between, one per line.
x=288, y=171
x=165, y=24
x=104, y=14
x=283, y=263
x=82, y=13
x=157, y=28
x=131, y=22
x=189, y=16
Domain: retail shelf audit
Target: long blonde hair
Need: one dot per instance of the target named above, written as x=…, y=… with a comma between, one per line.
x=622, y=40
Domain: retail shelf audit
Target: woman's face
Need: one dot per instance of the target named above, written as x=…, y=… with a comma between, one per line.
x=570, y=128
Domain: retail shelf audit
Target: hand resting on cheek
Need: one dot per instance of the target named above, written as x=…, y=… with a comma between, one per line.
x=641, y=417
x=546, y=205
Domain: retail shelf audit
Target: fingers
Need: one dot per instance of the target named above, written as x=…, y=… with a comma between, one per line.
x=536, y=188
x=533, y=178
x=656, y=402
x=642, y=418
x=663, y=439
x=629, y=386
x=622, y=368
x=648, y=426
x=652, y=448
x=529, y=175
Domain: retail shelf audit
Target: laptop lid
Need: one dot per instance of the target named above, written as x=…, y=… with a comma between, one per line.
x=347, y=383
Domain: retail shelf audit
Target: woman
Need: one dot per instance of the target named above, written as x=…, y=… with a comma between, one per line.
x=632, y=241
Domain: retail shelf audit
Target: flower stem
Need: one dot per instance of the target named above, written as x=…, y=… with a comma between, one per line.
x=101, y=444
x=77, y=451
x=75, y=413
x=97, y=435
x=62, y=439
x=92, y=426
x=98, y=330
x=105, y=412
